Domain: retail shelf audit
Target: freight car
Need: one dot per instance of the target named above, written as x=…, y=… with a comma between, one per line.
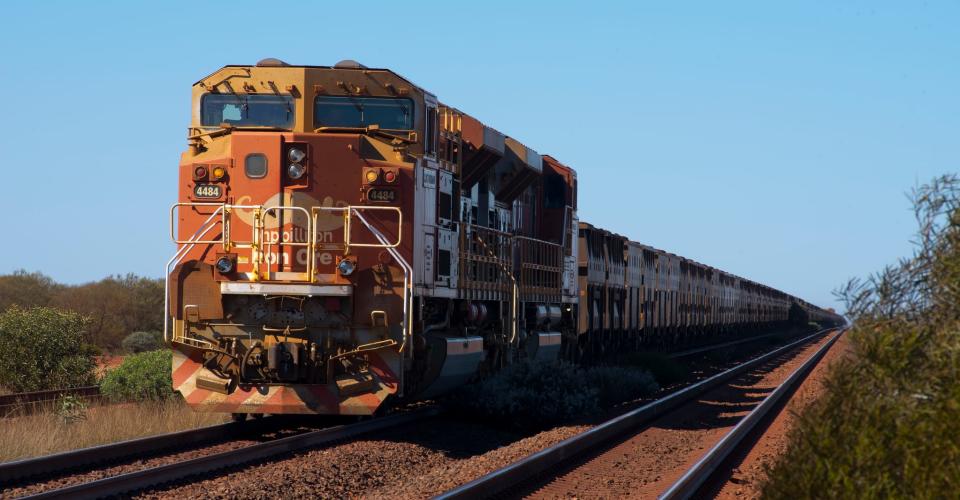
x=344, y=238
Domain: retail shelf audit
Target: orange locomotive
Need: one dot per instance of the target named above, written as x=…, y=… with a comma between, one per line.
x=343, y=238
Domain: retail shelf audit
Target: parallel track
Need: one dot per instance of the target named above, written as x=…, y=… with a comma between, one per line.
x=539, y=465
x=27, y=402
x=146, y=478
x=88, y=457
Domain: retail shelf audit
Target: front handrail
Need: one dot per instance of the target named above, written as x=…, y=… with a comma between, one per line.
x=220, y=210
x=259, y=244
x=350, y=210
x=268, y=245
x=222, y=213
x=181, y=252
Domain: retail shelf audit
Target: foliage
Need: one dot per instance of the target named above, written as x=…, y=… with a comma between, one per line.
x=43, y=348
x=27, y=290
x=142, y=342
x=535, y=394
x=116, y=305
x=887, y=425
x=616, y=384
x=665, y=370
x=71, y=409
x=141, y=377
x=797, y=315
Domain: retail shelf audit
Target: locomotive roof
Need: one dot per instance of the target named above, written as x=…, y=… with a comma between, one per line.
x=346, y=65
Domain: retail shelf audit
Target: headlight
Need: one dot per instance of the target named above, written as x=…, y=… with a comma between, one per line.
x=346, y=267
x=296, y=155
x=224, y=265
x=218, y=172
x=296, y=171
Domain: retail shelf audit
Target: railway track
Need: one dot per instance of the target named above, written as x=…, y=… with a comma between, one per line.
x=706, y=470
x=28, y=402
x=15, y=473
x=123, y=480
x=536, y=473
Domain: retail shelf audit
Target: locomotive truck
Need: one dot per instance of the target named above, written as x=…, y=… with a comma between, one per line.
x=344, y=239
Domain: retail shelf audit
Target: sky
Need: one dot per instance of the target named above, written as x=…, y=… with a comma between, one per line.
x=774, y=140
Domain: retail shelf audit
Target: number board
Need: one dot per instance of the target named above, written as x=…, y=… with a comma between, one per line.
x=207, y=191
x=382, y=195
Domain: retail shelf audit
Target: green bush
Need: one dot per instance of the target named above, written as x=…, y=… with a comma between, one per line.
x=71, y=409
x=665, y=370
x=142, y=342
x=141, y=377
x=536, y=394
x=43, y=348
x=887, y=426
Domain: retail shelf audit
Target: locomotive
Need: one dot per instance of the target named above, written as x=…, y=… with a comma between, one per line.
x=344, y=239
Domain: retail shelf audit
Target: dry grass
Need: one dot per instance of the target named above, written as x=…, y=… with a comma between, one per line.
x=45, y=433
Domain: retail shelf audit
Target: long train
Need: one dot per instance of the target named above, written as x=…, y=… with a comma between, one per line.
x=344, y=239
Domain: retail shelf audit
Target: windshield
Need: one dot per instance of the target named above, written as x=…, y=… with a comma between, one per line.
x=262, y=110
x=347, y=111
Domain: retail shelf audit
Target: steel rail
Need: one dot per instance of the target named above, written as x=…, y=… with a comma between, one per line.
x=701, y=472
x=712, y=347
x=146, y=478
x=86, y=457
x=529, y=467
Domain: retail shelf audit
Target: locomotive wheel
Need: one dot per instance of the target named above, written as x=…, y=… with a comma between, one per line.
x=239, y=417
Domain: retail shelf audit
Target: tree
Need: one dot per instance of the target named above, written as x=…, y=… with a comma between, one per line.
x=117, y=306
x=27, y=290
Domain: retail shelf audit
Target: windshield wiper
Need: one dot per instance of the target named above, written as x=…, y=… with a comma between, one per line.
x=226, y=128
x=370, y=130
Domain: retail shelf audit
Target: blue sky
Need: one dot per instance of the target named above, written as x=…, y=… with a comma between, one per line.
x=775, y=140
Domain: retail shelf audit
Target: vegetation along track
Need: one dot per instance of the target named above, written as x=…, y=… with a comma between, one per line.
x=86, y=481
x=191, y=447
x=558, y=471
x=27, y=402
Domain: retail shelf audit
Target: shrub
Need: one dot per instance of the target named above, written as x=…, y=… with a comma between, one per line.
x=887, y=426
x=664, y=370
x=536, y=394
x=141, y=377
x=616, y=384
x=43, y=348
x=142, y=342
x=71, y=409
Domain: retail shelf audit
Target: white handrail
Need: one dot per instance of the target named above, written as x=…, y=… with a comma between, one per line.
x=407, y=276
x=177, y=257
x=224, y=210
x=407, y=326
